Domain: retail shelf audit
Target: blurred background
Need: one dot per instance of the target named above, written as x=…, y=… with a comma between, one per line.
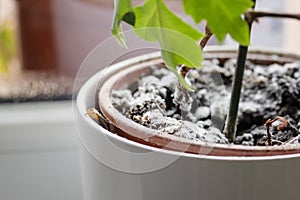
x=42, y=45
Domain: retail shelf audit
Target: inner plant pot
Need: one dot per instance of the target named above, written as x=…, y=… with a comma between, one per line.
x=138, y=102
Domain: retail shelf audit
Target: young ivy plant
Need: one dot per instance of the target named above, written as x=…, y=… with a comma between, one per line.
x=155, y=22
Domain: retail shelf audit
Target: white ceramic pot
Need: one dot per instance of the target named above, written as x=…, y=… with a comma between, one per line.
x=114, y=168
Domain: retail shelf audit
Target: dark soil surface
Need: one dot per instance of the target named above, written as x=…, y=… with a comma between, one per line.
x=268, y=91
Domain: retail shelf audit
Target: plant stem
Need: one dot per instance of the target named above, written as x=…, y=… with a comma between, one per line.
x=204, y=40
x=202, y=43
x=183, y=70
x=252, y=15
x=231, y=120
x=268, y=125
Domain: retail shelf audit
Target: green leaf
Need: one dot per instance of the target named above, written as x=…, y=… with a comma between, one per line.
x=178, y=40
x=123, y=12
x=223, y=17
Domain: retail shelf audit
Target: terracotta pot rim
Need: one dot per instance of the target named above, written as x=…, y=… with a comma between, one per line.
x=151, y=137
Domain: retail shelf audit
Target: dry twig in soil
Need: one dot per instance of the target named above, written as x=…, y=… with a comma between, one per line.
x=269, y=124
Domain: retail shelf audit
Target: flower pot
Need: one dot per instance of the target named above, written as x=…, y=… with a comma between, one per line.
x=116, y=167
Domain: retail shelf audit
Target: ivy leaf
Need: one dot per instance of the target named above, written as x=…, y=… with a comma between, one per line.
x=178, y=40
x=227, y=17
x=123, y=12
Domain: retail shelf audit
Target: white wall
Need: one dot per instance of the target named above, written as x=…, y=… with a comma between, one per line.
x=292, y=27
